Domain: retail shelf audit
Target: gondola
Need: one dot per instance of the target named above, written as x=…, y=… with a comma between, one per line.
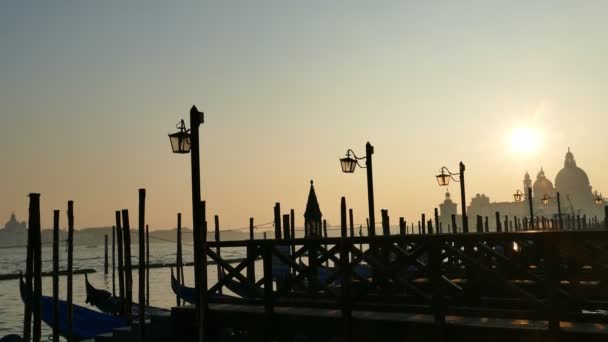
x=86, y=323
x=105, y=302
x=189, y=293
x=102, y=299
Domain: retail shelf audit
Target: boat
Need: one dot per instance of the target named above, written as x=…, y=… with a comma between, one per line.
x=186, y=293
x=102, y=299
x=86, y=323
x=105, y=302
x=189, y=293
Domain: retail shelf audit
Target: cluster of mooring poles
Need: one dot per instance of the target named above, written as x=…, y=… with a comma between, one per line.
x=32, y=292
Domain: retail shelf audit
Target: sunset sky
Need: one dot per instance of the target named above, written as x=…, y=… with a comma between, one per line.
x=90, y=90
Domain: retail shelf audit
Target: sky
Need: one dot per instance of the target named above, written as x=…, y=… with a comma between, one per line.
x=90, y=90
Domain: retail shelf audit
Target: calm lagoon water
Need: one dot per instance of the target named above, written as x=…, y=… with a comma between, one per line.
x=12, y=260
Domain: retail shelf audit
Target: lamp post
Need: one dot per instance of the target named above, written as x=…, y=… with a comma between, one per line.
x=349, y=165
x=182, y=142
x=444, y=179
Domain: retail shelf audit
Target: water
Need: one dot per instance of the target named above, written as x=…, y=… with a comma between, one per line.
x=13, y=260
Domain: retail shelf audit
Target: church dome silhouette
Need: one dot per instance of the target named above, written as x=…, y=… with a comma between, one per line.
x=542, y=186
x=572, y=180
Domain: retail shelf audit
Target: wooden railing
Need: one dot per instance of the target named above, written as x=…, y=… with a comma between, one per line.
x=545, y=275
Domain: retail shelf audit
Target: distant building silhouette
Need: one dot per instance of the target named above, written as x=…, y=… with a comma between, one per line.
x=577, y=197
x=14, y=225
x=312, y=216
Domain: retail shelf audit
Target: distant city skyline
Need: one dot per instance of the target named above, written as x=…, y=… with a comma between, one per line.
x=90, y=92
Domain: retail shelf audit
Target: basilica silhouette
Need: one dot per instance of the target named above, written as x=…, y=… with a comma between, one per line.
x=572, y=183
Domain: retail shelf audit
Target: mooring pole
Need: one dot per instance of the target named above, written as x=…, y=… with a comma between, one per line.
x=56, y=275
x=218, y=251
x=141, y=290
x=113, y=261
x=29, y=262
x=105, y=254
x=127, y=266
x=178, y=256
x=36, y=307
x=70, y=315
x=147, y=265
x=121, y=268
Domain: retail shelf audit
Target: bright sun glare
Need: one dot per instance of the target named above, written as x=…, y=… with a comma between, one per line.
x=525, y=140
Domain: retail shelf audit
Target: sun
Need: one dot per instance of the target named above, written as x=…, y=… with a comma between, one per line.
x=525, y=140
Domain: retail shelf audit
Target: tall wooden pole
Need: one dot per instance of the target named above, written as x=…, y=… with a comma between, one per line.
x=369, y=151
x=203, y=274
x=56, y=275
x=218, y=251
x=121, y=259
x=351, y=223
x=559, y=212
x=147, y=265
x=29, y=263
x=128, y=266
x=277, y=221
x=113, y=261
x=463, y=203
x=36, y=307
x=250, y=251
x=141, y=290
x=531, y=225
x=251, y=227
x=70, y=315
x=105, y=254
x=437, y=228
x=178, y=256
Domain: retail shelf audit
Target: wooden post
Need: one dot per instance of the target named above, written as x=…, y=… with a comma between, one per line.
x=277, y=221
x=105, y=254
x=437, y=221
x=113, y=261
x=121, y=268
x=423, y=220
x=606, y=216
x=29, y=263
x=70, y=324
x=385, y=223
x=147, y=265
x=345, y=269
x=430, y=226
x=479, y=224
x=402, y=231
x=178, y=256
x=559, y=212
x=498, y=224
x=127, y=265
x=292, y=217
x=250, y=251
x=351, y=223
x=141, y=289
x=287, y=236
x=56, y=275
x=218, y=251
x=35, y=226
x=325, y=237
x=486, y=226
x=454, y=226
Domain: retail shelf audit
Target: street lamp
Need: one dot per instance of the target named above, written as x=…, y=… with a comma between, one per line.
x=182, y=142
x=518, y=196
x=444, y=179
x=349, y=165
x=546, y=198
